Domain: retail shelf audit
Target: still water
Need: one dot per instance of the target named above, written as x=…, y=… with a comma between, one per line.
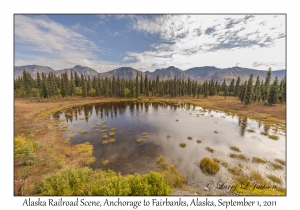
x=168, y=125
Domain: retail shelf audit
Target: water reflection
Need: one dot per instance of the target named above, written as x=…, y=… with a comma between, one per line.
x=243, y=125
x=215, y=129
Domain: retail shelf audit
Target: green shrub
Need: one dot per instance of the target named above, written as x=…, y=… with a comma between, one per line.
x=208, y=166
x=24, y=149
x=84, y=181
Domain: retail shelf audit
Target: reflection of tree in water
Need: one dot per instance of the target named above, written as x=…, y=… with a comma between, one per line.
x=110, y=109
x=266, y=128
x=243, y=121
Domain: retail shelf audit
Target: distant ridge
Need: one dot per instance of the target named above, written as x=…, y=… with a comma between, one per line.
x=195, y=73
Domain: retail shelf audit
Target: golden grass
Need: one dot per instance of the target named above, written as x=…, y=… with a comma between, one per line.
x=235, y=170
x=258, y=160
x=276, y=166
x=264, y=133
x=111, y=134
x=282, y=162
x=113, y=129
x=208, y=166
x=105, y=162
x=105, y=142
x=190, y=138
x=111, y=141
x=250, y=131
x=273, y=137
x=236, y=149
x=238, y=156
x=274, y=179
x=139, y=140
x=83, y=131
x=209, y=149
x=183, y=145
x=105, y=136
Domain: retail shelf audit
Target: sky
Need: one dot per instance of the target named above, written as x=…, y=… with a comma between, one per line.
x=150, y=42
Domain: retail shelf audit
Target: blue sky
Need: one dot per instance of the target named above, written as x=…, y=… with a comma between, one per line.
x=148, y=42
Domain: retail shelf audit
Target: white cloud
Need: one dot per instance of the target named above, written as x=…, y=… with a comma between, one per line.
x=62, y=46
x=185, y=41
x=223, y=41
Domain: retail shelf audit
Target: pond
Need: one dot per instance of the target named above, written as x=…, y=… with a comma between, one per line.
x=162, y=127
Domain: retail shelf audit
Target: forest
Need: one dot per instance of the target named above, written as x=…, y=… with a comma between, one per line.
x=52, y=86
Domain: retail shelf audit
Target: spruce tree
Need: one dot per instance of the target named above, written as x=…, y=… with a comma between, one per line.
x=248, y=97
x=237, y=87
x=274, y=92
x=267, y=86
x=146, y=85
x=84, y=89
x=137, y=87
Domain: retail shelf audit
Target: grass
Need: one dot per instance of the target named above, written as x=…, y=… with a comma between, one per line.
x=255, y=176
x=105, y=136
x=112, y=141
x=258, y=160
x=113, y=129
x=238, y=156
x=274, y=179
x=104, y=126
x=216, y=160
x=83, y=131
x=250, y=131
x=112, y=134
x=103, y=131
x=282, y=162
x=139, y=140
x=276, y=166
x=208, y=166
x=264, y=133
x=235, y=170
x=224, y=163
x=145, y=134
x=273, y=137
x=189, y=138
x=209, y=149
x=236, y=149
x=170, y=173
x=105, y=142
x=183, y=145
x=64, y=128
x=104, y=162
x=199, y=141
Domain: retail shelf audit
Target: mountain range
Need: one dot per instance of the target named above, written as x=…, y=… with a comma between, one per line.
x=196, y=73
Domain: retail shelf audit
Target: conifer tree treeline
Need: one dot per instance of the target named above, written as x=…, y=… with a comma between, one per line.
x=52, y=86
